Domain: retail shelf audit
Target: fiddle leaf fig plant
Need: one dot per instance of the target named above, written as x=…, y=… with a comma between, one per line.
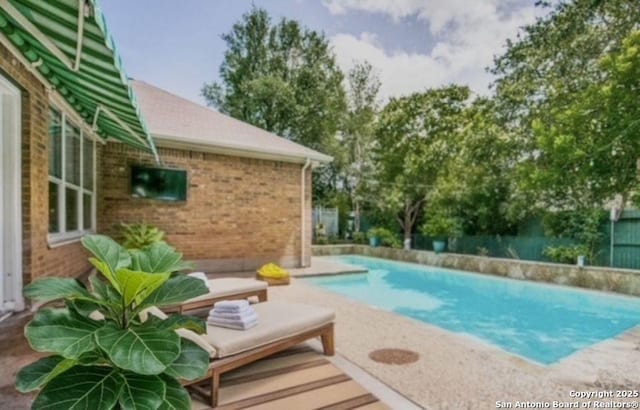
x=106, y=352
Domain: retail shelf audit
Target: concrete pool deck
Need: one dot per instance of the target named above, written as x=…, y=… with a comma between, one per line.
x=322, y=266
x=460, y=372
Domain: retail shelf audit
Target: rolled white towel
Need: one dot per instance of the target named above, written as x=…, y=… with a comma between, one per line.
x=202, y=276
x=231, y=306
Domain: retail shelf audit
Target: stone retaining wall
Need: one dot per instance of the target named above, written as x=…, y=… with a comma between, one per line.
x=614, y=280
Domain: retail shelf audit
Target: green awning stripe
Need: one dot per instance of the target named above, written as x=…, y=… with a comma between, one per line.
x=63, y=17
x=87, y=100
x=100, y=80
x=87, y=80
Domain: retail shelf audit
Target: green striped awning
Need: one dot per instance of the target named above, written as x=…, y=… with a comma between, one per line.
x=67, y=41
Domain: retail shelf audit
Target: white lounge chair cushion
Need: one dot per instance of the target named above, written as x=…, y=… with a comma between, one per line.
x=276, y=321
x=230, y=286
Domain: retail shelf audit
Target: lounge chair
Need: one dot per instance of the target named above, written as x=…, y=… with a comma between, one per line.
x=280, y=326
x=221, y=289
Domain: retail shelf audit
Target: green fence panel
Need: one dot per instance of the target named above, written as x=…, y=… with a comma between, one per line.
x=531, y=243
x=516, y=247
x=626, y=243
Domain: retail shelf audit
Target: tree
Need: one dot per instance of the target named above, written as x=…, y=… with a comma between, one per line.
x=565, y=89
x=476, y=185
x=353, y=154
x=416, y=137
x=589, y=153
x=282, y=78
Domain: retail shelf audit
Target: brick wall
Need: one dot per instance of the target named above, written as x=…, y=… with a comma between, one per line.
x=38, y=258
x=239, y=213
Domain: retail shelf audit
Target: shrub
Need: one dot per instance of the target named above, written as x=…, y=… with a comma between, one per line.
x=104, y=354
x=565, y=254
x=585, y=226
x=140, y=235
x=441, y=226
x=359, y=237
x=321, y=240
x=387, y=237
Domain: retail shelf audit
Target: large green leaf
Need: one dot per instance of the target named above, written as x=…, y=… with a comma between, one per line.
x=106, y=271
x=110, y=297
x=176, y=397
x=103, y=290
x=177, y=321
x=86, y=306
x=136, y=285
x=143, y=349
x=192, y=363
x=110, y=255
x=81, y=388
x=176, y=290
x=158, y=258
x=48, y=289
x=61, y=331
x=38, y=373
x=140, y=392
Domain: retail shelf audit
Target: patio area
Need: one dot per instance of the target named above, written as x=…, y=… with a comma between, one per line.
x=300, y=378
x=455, y=371
x=450, y=372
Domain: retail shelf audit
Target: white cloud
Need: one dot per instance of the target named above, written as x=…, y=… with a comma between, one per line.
x=468, y=34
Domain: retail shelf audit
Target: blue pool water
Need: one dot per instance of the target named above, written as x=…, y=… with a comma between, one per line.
x=543, y=323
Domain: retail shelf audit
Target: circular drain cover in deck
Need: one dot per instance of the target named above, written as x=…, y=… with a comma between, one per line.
x=394, y=356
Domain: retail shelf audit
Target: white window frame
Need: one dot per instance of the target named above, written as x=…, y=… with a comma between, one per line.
x=64, y=237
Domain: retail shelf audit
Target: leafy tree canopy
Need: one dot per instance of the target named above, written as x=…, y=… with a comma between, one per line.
x=416, y=137
x=567, y=90
x=353, y=149
x=476, y=185
x=280, y=77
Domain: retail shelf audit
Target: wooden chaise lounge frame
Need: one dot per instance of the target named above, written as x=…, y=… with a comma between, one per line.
x=207, y=303
x=219, y=366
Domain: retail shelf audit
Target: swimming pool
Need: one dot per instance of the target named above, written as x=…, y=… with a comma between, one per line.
x=540, y=322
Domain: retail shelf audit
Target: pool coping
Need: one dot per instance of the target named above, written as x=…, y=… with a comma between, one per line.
x=619, y=281
x=321, y=266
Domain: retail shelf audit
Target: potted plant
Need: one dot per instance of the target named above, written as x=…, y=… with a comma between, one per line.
x=383, y=236
x=440, y=227
x=140, y=235
x=375, y=236
x=105, y=352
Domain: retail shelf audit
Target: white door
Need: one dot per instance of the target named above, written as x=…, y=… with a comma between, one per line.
x=10, y=199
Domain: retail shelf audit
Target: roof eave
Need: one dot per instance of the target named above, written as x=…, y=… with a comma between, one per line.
x=167, y=141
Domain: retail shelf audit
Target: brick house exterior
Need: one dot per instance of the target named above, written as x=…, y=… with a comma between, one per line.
x=245, y=204
x=240, y=212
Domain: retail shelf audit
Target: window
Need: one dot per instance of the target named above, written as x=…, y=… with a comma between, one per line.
x=71, y=179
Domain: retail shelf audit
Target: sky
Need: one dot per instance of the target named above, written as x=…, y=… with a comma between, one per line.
x=412, y=44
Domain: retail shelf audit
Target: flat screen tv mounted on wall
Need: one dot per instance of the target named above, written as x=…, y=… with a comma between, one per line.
x=159, y=183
